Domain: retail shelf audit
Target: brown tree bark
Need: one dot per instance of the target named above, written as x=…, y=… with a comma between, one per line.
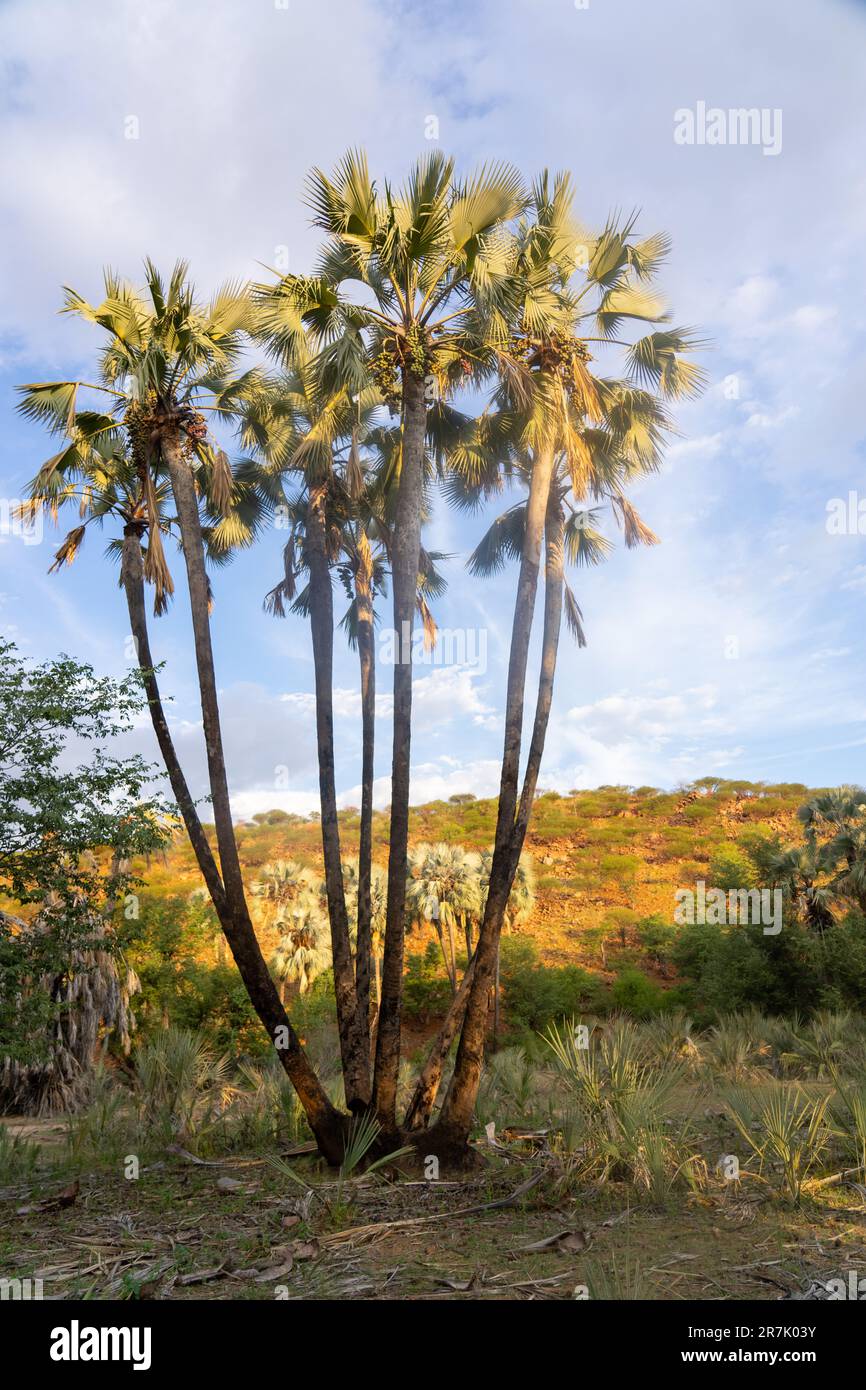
x=427, y=1085
x=132, y=578
x=446, y=959
x=452, y=950
x=457, y=1110
x=553, y=587
x=404, y=573
x=354, y=1041
x=367, y=659
x=327, y=1124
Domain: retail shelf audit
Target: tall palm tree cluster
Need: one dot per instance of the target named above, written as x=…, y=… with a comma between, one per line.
x=448, y=339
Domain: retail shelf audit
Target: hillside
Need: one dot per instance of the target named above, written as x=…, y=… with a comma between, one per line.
x=602, y=858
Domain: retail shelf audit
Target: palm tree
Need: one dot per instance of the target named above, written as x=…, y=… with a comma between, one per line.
x=803, y=873
x=304, y=949
x=281, y=881
x=168, y=361
x=297, y=901
x=444, y=888
x=298, y=426
x=434, y=262
x=340, y=508
x=307, y=433
x=378, y=905
x=91, y=996
x=597, y=429
x=841, y=813
x=109, y=479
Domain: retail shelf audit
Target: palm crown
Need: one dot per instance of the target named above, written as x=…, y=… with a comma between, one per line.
x=167, y=361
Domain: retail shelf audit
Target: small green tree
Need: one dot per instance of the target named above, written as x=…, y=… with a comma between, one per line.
x=68, y=835
x=731, y=868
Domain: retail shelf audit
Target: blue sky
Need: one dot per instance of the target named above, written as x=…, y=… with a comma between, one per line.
x=735, y=646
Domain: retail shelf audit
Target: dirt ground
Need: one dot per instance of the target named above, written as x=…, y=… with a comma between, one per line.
x=238, y=1229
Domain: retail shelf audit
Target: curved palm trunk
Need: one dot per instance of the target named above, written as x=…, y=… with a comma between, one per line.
x=367, y=658
x=132, y=578
x=404, y=572
x=325, y=1121
x=354, y=1042
x=459, y=1104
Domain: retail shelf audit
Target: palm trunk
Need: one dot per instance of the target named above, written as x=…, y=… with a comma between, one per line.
x=364, y=940
x=427, y=1085
x=453, y=951
x=445, y=959
x=132, y=578
x=354, y=1045
x=553, y=586
x=324, y=1120
x=459, y=1104
x=496, y=998
x=404, y=572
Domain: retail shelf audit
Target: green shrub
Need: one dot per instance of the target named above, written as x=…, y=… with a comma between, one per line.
x=676, y=844
x=730, y=867
x=657, y=938
x=699, y=811
x=726, y=969
x=180, y=990
x=426, y=991
x=636, y=993
x=620, y=866
x=536, y=995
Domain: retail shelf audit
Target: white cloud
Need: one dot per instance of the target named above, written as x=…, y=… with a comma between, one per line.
x=436, y=780
x=812, y=316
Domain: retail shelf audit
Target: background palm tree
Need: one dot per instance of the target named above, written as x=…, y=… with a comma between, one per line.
x=90, y=996
x=297, y=907
x=304, y=949
x=444, y=888
x=280, y=882
x=802, y=873
x=840, y=814
x=378, y=907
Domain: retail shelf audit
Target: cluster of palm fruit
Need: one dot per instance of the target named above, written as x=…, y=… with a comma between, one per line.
x=145, y=421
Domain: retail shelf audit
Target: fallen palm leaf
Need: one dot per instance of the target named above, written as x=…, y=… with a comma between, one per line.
x=202, y=1276
x=573, y=1241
